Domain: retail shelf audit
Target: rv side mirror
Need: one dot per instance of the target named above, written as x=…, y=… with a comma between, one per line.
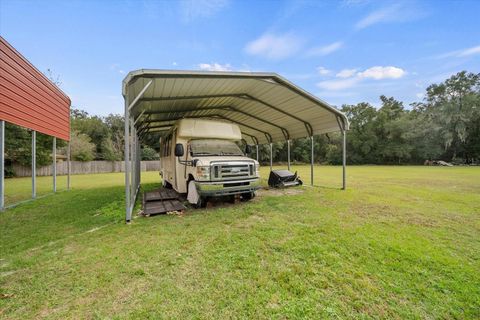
x=179, y=150
x=248, y=149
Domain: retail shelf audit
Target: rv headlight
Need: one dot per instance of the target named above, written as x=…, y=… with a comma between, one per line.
x=203, y=172
x=257, y=170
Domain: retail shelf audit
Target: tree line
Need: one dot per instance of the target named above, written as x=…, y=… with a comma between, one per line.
x=444, y=126
x=91, y=138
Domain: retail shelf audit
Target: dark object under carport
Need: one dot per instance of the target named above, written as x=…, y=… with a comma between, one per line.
x=161, y=201
x=283, y=178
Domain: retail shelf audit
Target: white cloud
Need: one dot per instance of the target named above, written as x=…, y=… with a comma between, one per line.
x=338, y=84
x=174, y=64
x=420, y=95
x=470, y=51
x=352, y=3
x=379, y=73
x=346, y=73
x=274, y=47
x=398, y=12
x=323, y=71
x=192, y=9
x=215, y=67
x=325, y=50
x=461, y=53
x=351, y=77
x=377, y=16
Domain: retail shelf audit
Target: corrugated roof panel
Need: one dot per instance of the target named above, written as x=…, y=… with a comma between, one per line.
x=273, y=102
x=28, y=98
x=24, y=83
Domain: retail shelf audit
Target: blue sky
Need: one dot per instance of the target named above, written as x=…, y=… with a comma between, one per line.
x=343, y=52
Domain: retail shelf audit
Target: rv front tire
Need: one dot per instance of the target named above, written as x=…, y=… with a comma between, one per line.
x=248, y=196
x=166, y=184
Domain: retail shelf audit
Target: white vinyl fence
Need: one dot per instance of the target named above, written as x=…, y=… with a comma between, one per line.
x=79, y=167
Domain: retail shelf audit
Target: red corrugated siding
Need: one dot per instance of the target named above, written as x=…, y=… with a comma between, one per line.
x=28, y=98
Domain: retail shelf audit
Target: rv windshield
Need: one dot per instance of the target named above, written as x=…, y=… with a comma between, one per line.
x=214, y=147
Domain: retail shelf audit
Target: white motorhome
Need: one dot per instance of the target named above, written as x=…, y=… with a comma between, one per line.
x=201, y=158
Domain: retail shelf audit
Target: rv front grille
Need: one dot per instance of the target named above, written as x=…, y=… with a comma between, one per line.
x=233, y=170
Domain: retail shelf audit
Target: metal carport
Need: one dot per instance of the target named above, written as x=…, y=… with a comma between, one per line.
x=29, y=99
x=266, y=106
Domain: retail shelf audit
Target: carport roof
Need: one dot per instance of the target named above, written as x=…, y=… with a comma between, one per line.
x=266, y=106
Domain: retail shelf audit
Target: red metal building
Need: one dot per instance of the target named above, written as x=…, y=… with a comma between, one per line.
x=28, y=98
x=31, y=100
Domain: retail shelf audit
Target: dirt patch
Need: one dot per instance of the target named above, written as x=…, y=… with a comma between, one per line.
x=227, y=202
x=271, y=192
x=7, y=273
x=422, y=221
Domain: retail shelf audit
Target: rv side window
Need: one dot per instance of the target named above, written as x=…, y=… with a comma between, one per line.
x=166, y=146
x=169, y=146
x=162, y=147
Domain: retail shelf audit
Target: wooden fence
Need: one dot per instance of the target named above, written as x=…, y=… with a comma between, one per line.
x=79, y=167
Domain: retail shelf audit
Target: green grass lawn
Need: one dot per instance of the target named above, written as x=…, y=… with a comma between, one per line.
x=20, y=189
x=401, y=242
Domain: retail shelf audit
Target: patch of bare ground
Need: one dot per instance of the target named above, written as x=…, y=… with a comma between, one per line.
x=250, y=222
x=366, y=210
x=273, y=192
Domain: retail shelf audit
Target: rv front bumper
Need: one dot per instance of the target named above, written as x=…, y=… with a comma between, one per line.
x=222, y=188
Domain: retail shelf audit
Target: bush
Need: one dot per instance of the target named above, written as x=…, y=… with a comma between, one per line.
x=82, y=149
x=149, y=153
x=110, y=152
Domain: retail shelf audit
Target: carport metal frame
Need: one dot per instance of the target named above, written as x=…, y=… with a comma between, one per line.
x=31, y=101
x=33, y=168
x=134, y=134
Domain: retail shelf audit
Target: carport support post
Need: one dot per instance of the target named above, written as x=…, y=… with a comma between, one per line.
x=34, y=164
x=127, y=164
x=257, y=152
x=54, y=151
x=2, y=165
x=271, y=156
x=68, y=164
x=344, y=158
x=132, y=163
x=311, y=163
x=288, y=152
